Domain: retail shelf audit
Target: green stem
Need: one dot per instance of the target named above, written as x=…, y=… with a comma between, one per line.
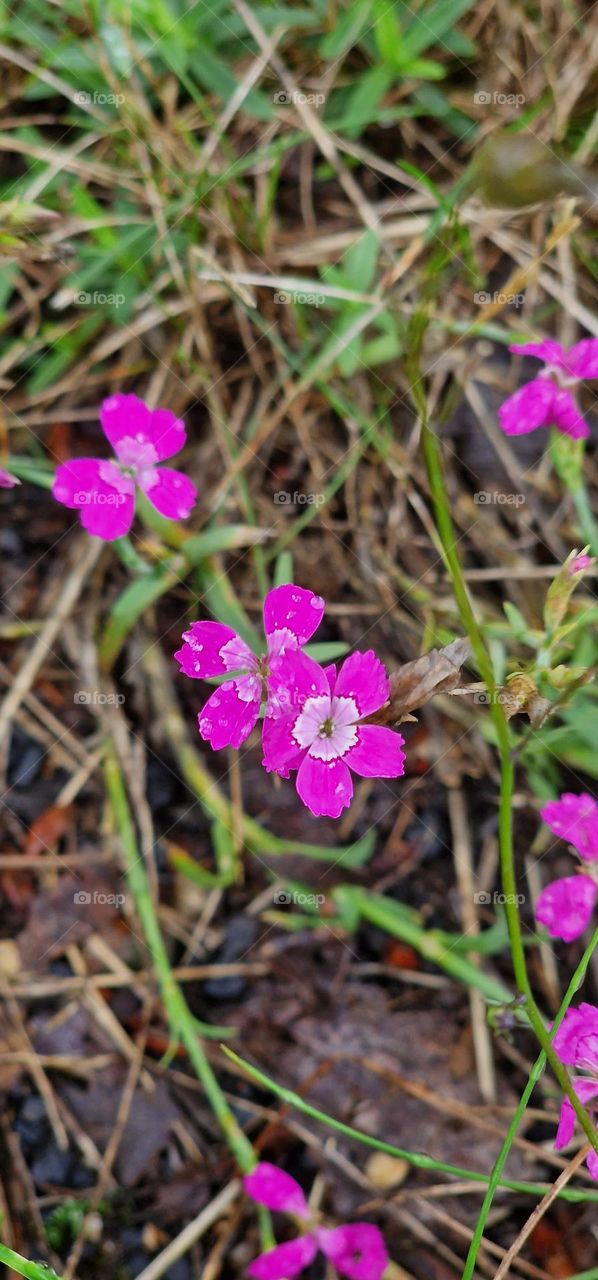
x=444, y=524
x=535, y=1074
x=414, y=1158
x=183, y=1026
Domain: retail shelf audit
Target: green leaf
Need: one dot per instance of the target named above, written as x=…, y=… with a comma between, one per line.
x=132, y=603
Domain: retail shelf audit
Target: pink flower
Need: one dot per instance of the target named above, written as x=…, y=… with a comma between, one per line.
x=580, y=563
x=291, y=615
x=547, y=400
x=356, y=1250
x=103, y=490
x=7, y=481
x=576, y=1040
x=325, y=737
x=565, y=907
x=576, y=1043
x=575, y=818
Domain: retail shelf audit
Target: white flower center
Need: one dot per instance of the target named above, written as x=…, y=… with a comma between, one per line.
x=327, y=726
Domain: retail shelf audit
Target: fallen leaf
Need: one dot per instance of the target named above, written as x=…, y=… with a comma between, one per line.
x=47, y=830
x=413, y=685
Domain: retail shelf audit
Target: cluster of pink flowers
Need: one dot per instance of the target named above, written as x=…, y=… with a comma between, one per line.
x=576, y=1043
x=314, y=717
x=356, y=1250
x=548, y=401
x=103, y=490
x=565, y=906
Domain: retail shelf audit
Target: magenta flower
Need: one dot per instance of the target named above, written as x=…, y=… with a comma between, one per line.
x=356, y=1250
x=7, y=481
x=103, y=490
x=576, y=1043
x=324, y=736
x=576, y=1040
x=291, y=615
x=547, y=400
x=575, y=818
x=580, y=563
x=565, y=906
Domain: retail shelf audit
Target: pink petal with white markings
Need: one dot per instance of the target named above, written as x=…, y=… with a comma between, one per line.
x=127, y=417
x=230, y=714
x=281, y=752
x=325, y=786
x=106, y=509
x=363, y=678
x=377, y=753
x=170, y=492
x=200, y=656
x=293, y=608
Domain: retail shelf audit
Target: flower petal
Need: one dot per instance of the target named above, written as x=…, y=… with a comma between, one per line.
x=357, y=1250
x=228, y=716
x=363, y=677
x=377, y=753
x=281, y=752
x=286, y=1261
x=325, y=786
x=83, y=485
x=170, y=492
x=592, y=1163
x=7, y=481
x=127, y=417
x=549, y=351
x=576, y=1040
x=565, y=907
x=586, y=1091
x=566, y=1127
x=269, y=1185
x=566, y=416
x=574, y=818
x=528, y=408
x=294, y=609
x=582, y=360
x=200, y=656
x=293, y=679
